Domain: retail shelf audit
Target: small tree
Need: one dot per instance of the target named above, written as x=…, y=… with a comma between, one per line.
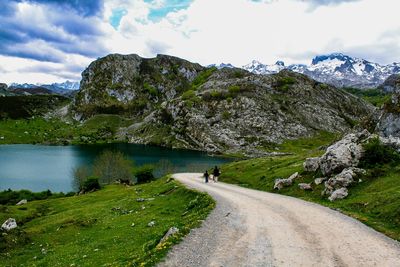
x=80, y=174
x=111, y=166
x=91, y=184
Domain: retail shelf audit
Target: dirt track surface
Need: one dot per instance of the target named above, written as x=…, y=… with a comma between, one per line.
x=254, y=228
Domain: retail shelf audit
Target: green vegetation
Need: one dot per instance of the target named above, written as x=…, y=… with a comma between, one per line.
x=374, y=96
x=284, y=83
x=202, y=77
x=190, y=98
x=106, y=228
x=144, y=173
x=98, y=129
x=375, y=201
x=150, y=89
x=377, y=154
x=23, y=107
x=10, y=197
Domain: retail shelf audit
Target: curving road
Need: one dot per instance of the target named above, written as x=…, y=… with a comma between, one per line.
x=254, y=228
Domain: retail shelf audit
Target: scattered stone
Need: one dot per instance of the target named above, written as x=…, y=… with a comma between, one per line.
x=294, y=176
x=22, y=202
x=343, y=179
x=9, y=224
x=151, y=224
x=318, y=181
x=133, y=225
x=304, y=186
x=96, y=249
x=44, y=251
x=172, y=231
x=1, y=137
x=281, y=183
x=311, y=164
x=140, y=199
x=84, y=256
x=339, y=194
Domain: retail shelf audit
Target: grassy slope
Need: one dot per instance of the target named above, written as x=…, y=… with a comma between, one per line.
x=100, y=128
x=95, y=229
x=375, y=201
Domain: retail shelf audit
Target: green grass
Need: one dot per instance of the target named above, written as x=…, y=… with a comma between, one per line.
x=375, y=201
x=96, y=229
x=98, y=129
x=374, y=96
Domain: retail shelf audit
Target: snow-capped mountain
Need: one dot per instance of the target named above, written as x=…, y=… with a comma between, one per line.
x=65, y=88
x=336, y=69
x=222, y=65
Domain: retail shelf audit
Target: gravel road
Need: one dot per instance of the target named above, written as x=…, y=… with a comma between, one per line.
x=254, y=228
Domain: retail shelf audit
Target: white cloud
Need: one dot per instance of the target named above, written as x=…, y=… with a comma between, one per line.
x=238, y=31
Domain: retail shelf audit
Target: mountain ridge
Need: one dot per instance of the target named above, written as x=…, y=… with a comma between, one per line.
x=336, y=69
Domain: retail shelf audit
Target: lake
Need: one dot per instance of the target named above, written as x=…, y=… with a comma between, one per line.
x=39, y=167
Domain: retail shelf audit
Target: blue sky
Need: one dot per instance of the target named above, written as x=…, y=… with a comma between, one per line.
x=54, y=40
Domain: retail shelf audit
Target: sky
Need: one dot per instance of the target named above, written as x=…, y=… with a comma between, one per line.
x=45, y=41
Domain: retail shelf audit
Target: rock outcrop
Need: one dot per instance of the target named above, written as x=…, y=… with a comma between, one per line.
x=391, y=84
x=9, y=224
x=389, y=121
x=339, y=164
x=180, y=104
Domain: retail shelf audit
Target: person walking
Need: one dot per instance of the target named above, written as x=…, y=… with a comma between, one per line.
x=206, y=175
x=216, y=174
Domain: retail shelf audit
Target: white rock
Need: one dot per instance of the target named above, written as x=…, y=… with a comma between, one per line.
x=320, y=180
x=304, y=186
x=151, y=224
x=9, y=224
x=343, y=154
x=171, y=232
x=311, y=164
x=22, y=202
x=281, y=183
x=338, y=194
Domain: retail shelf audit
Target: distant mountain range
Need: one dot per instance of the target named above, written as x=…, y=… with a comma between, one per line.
x=336, y=69
x=67, y=88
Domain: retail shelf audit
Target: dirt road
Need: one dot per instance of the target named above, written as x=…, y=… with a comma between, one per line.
x=254, y=228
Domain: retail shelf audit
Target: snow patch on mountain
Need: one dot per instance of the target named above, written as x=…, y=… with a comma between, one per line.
x=337, y=69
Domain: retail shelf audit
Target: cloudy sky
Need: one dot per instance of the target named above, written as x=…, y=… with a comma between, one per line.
x=43, y=41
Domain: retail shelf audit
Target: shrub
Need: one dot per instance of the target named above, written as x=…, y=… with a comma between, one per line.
x=202, y=77
x=284, y=83
x=144, y=173
x=91, y=184
x=150, y=89
x=111, y=166
x=226, y=115
x=80, y=174
x=234, y=90
x=377, y=154
x=238, y=74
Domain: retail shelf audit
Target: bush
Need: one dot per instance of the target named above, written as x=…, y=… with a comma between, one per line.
x=91, y=184
x=377, y=154
x=10, y=197
x=80, y=174
x=234, y=90
x=144, y=174
x=111, y=166
x=202, y=77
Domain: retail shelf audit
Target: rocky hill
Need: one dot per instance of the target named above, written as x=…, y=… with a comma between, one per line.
x=181, y=104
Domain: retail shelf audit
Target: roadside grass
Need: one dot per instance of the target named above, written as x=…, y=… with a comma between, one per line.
x=98, y=129
x=96, y=229
x=375, y=201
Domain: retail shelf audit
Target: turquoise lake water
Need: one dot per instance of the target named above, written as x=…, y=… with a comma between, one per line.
x=39, y=167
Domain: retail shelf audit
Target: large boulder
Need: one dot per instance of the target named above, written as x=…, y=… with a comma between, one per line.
x=343, y=154
x=9, y=224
